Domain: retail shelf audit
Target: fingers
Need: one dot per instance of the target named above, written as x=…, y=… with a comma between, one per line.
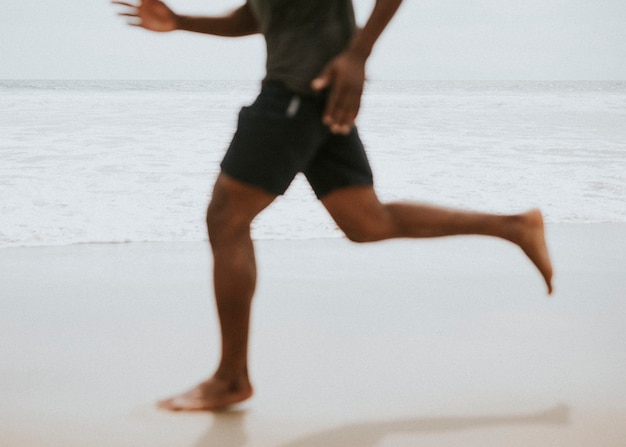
x=133, y=10
x=344, y=78
x=342, y=108
x=132, y=18
x=320, y=83
x=133, y=5
x=128, y=5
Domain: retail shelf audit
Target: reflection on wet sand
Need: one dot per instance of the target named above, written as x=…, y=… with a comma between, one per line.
x=228, y=430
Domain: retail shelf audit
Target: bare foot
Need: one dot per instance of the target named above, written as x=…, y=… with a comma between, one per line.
x=211, y=395
x=531, y=239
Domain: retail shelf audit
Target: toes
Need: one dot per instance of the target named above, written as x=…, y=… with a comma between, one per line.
x=180, y=403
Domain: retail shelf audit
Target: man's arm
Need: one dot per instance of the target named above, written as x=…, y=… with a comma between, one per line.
x=155, y=15
x=345, y=75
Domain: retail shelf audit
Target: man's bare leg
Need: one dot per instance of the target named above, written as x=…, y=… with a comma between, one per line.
x=363, y=218
x=232, y=209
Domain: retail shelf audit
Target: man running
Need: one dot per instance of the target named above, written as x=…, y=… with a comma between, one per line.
x=303, y=121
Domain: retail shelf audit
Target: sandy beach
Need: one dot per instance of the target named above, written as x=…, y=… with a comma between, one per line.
x=426, y=343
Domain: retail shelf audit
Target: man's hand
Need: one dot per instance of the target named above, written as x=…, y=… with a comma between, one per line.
x=152, y=15
x=345, y=77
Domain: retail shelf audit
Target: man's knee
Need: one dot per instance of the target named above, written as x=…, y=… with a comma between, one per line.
x=215, y=219
x=360, y=215
x=362, y=232
x=233, y=207
x=365, y=227
x=223, y=221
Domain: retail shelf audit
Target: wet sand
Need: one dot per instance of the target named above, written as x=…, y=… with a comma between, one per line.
x=433, y=343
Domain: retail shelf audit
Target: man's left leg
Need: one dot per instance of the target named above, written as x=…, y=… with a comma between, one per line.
x=363, y=218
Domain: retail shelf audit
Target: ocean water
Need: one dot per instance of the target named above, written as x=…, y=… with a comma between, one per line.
x=124, y=161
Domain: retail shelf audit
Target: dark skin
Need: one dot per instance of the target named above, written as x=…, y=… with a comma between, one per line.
x=356, y=209
x=344, y=75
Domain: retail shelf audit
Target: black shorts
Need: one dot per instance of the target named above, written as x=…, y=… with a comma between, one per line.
x=282, y=134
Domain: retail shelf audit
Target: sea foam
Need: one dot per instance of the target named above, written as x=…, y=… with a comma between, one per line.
x=125, y=161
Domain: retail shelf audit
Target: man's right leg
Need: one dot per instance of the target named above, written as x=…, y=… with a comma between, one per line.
x=233, y=207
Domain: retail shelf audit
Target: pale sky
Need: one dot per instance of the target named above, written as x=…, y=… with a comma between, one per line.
x=428, y=39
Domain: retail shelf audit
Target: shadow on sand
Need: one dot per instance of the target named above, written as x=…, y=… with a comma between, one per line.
x=228, y=430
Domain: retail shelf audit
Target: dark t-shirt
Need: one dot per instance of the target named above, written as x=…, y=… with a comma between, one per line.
x=302, y=36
